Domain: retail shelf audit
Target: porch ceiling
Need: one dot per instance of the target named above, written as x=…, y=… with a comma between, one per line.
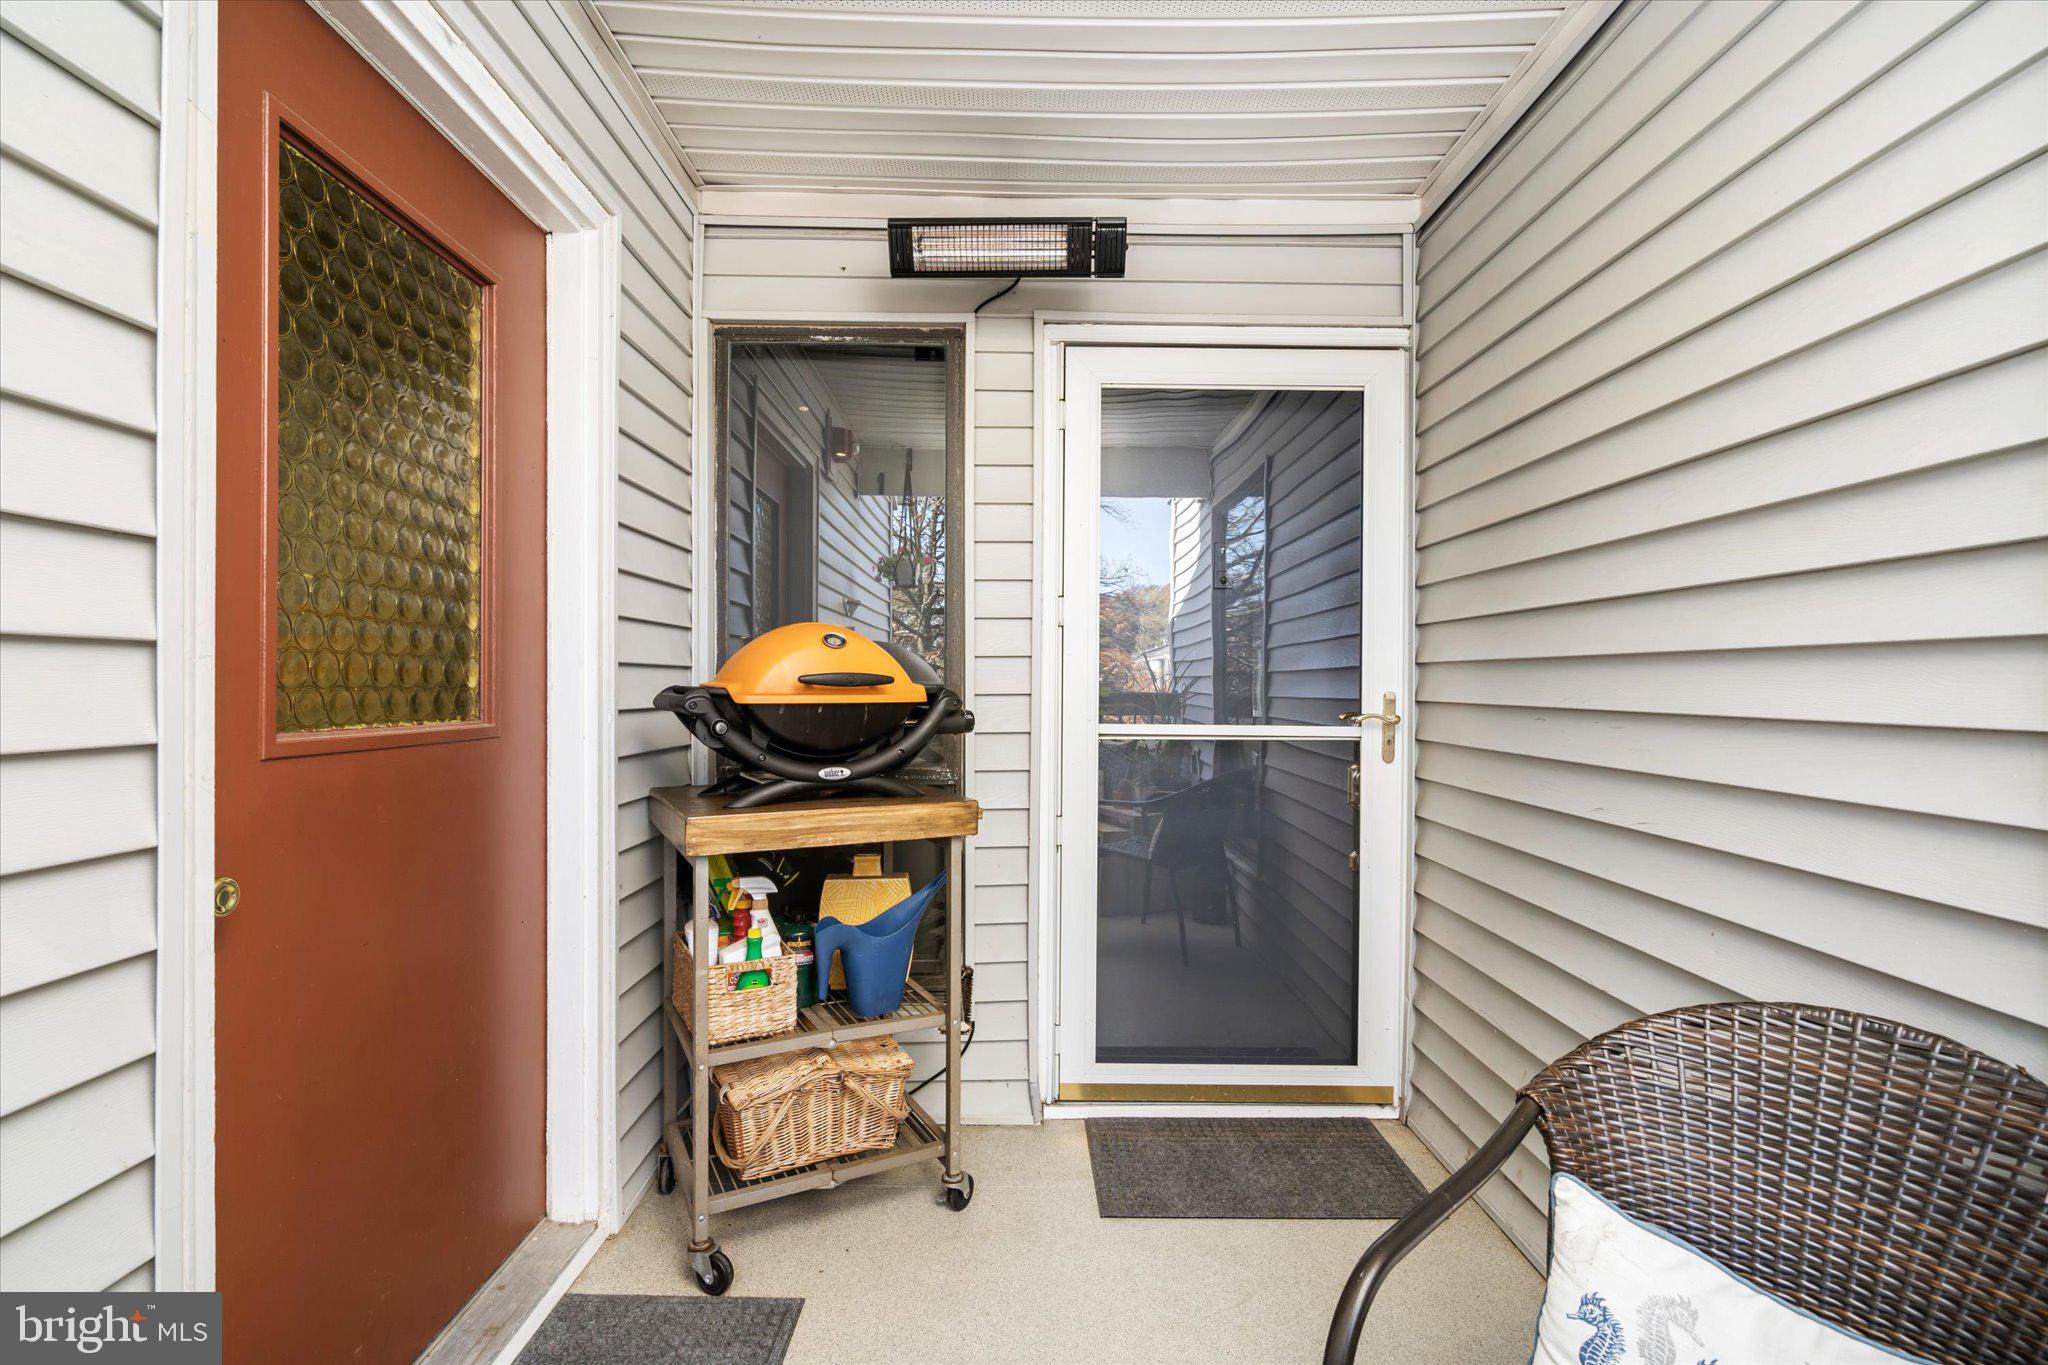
x=1267, y=99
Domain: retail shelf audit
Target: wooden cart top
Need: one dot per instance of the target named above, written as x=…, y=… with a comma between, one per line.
x=700, y=825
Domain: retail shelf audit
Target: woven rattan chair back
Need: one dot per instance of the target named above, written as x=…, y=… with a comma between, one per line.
x=1887, y=1180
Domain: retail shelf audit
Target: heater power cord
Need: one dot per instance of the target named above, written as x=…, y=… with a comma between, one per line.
x=998, y=294
x=965, y=1043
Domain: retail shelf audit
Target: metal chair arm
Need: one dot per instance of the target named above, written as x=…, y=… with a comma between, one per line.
x=1347, y=1324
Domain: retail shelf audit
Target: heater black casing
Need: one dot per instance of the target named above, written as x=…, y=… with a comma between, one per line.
x=1095, y=248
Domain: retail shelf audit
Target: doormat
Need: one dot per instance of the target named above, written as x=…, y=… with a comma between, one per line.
x=631, y=1329
x=1247, y=1168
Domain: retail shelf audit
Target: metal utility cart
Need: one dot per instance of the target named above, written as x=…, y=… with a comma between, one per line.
x=697, y=826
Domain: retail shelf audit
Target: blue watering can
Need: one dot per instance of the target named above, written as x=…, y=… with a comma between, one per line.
x=877, y=954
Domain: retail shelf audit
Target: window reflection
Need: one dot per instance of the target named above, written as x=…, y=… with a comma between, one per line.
x=1230, y=546
x=1226, y=903
x=836, y=465
x=838, y=468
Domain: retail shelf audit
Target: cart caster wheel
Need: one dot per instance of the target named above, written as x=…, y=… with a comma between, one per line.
x=713, y=1271
x=960, y=1195
x=665, y=1176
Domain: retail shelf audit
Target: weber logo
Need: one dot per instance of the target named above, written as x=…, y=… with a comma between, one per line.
x=834, y=774
x=170, y=1329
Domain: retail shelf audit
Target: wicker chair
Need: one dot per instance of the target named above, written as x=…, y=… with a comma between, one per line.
x=1886, y=1180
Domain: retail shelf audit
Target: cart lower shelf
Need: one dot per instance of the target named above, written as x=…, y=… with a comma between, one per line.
x=919, y=1137
x=823, y=1025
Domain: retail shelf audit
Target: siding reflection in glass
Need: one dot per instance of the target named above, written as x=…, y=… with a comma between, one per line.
x=1230, y=537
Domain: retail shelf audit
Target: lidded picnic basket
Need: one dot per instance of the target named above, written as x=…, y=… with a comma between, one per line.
x=734, y=1014
x=798, y=1108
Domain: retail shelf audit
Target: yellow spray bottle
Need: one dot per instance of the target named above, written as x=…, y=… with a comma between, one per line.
x=755, y=977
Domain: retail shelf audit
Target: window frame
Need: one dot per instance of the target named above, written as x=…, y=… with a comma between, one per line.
x=951, y=770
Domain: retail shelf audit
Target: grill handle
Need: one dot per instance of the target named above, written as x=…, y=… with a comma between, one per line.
x=888, y=754
x=846, y=679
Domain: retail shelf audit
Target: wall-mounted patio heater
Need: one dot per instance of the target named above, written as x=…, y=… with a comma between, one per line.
x=1008, y=246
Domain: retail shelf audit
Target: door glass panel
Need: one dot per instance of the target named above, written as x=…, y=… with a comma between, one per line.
x=1230, y=550
x=1227, y=924
x=380, y=466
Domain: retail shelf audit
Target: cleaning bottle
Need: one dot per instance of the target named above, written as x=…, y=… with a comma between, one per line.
x=756, y=978
x=732, y=946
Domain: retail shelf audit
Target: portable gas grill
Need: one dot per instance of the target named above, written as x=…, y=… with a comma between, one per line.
x=813, y=707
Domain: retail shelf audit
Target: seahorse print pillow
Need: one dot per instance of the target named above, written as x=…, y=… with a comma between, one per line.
x=1623, y=1292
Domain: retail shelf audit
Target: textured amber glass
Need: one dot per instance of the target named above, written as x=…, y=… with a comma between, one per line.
x=379, y=466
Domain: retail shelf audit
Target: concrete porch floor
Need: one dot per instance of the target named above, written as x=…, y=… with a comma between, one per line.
x=1029, y=1272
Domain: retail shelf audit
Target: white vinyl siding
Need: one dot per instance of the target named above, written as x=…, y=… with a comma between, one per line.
x=996, y=1075
x=79, y=98
x=829, y=274
x=541, y=57
x=1340, y=280
x=1732, y=584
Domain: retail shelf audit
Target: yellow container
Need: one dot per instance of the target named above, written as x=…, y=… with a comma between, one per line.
x=859, y=896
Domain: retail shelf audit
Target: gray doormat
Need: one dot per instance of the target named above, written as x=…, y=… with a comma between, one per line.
x=1247, y=1168
x=637, y=1329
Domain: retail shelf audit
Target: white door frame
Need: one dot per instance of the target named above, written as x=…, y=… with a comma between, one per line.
x=416, y=51
x=1383, y=990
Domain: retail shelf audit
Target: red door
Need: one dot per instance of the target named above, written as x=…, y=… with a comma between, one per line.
x=380, y=743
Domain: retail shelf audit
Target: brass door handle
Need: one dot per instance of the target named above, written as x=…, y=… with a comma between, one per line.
x=227, y=894
x=1387, y=717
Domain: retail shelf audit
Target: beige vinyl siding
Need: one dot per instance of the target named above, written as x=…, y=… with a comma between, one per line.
x=79, y=100
x=1308, y=279
x=1732, y=584
x=825, y=274
x=539, y=54
x=1000, y=676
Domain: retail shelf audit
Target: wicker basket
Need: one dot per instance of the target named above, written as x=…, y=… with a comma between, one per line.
x=798, y=1108
x=734, y=1015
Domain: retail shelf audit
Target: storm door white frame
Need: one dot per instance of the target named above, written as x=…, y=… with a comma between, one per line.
x=1378, y=376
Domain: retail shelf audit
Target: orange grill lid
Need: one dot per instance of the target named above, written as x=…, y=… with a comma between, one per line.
x=769, y=670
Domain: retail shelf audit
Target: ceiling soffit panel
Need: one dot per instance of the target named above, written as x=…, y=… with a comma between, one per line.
x=1311, y=99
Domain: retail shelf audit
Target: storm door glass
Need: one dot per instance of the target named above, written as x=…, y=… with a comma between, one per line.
x=1228, y=564
x=379, y=475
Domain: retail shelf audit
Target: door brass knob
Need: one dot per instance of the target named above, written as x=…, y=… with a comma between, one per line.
x=1387, y=717
x=227, y=894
